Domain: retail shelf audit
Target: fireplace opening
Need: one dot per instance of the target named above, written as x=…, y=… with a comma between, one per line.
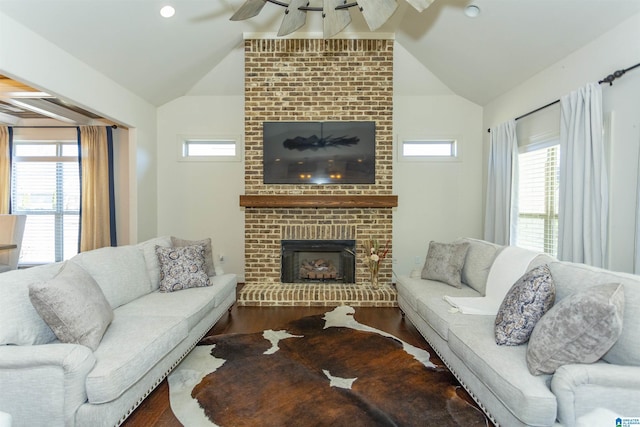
x=314, y=261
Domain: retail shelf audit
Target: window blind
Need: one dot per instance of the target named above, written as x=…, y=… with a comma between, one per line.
x=46, y=187
x=538, y=199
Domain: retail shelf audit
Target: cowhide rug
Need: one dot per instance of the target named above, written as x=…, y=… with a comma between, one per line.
x=317, y=371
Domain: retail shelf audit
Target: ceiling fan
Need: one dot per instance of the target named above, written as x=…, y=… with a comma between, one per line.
x=335, y=13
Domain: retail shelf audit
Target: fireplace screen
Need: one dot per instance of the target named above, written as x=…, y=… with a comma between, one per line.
x=309, y=261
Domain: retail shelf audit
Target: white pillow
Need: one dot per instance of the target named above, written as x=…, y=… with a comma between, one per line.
x=73, y=306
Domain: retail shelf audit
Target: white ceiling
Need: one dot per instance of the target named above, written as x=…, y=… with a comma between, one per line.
x=161, y=59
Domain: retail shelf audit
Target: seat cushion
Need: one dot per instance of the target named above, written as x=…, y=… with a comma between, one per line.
x=504, y=370
x=191, y=304
x=132, y=345
x=438, y=313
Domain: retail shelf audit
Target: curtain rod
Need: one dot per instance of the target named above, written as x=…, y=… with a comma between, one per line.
x=54, y=127
x=609, y=79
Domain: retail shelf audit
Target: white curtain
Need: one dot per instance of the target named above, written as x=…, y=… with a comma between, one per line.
x=501, y=211
x=584, y=197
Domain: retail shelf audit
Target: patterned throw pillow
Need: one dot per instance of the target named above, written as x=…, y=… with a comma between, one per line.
x=580, y=328
x=182, y=268
x=444, y=262
x=209, y=266
x=525, y=303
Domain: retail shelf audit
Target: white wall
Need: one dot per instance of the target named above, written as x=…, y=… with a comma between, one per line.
x=437, y=200
x=29, y=58
x=201, y=199
x=617, y=49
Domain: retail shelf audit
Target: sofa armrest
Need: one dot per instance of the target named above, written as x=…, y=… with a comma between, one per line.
x=581, y=389
x=44, y=384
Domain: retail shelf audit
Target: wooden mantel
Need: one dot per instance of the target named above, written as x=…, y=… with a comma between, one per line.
x=318, y=201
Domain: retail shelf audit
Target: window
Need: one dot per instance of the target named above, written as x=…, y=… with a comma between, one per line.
x=538, y=185
x=46, y=187
x=428, y=149
x=208, y=149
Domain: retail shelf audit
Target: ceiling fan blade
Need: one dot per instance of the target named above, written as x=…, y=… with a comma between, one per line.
x=420, y=5
x=377, y=12
x=334, y=20
x=249, y=9
x=294, y=18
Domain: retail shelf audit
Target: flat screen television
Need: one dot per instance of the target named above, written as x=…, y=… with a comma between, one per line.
x=325, y=152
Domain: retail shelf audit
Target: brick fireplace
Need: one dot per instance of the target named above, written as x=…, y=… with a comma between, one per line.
x=316, y=80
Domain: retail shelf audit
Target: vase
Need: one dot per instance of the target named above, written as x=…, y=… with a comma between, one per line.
x=375, y=284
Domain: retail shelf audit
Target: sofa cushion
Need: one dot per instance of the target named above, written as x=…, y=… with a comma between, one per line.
x=525, y=303
x=191, y=304
x=121, y=272
x=503, y=369
x=579, y=329
x=21, y=323
x=73, y=306
x=132, y=345
x=437, y=312
x=148, y=249
x=444, y=262
x=182, y=268
x=478, y=261
x=570, y=277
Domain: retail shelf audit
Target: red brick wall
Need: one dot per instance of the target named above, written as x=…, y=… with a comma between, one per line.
x=316, y=80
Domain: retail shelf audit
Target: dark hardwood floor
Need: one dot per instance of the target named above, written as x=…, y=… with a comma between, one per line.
x=156, y=411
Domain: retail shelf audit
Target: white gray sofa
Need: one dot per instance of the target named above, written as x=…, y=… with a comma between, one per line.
x=44, y=382
x=498, y=378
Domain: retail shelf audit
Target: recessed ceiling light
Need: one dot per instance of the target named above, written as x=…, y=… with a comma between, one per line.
x=167, y=11
x=472, y=11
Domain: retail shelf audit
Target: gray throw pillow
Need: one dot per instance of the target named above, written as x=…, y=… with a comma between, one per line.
x=525, y=303
x=208, y=251
x=580, y=328
x=182, y=268
x=444, y=262
x=73, y=306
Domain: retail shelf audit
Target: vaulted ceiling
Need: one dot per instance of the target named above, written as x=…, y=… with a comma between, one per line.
x=161, y=59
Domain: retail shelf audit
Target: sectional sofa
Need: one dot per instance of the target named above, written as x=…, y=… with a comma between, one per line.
x=97, y=374
x=602, y=334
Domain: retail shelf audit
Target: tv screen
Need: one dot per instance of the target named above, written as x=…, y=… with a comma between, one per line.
x=319, y=152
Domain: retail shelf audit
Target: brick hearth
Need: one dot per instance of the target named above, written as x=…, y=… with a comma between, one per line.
x=277, y=294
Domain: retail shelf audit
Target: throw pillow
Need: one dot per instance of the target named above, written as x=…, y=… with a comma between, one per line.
x=525, y=303
x=73, y=306
x=208, y=251
x=444, y=262
x=182, y=268
x=580, y=328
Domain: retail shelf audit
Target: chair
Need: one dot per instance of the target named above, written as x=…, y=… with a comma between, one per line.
x=11, y=231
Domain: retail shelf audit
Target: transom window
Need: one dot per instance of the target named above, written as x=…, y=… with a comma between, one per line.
x=46, y=188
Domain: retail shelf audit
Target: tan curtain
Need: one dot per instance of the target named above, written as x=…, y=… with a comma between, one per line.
x=95, y=231
x=5, y=170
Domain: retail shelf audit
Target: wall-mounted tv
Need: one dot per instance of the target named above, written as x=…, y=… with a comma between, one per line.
x=319, y=152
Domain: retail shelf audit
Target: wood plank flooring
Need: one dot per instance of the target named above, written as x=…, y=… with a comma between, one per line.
x=156, y=411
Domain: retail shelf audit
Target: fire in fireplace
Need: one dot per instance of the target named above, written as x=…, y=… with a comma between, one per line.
x=313, y=261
